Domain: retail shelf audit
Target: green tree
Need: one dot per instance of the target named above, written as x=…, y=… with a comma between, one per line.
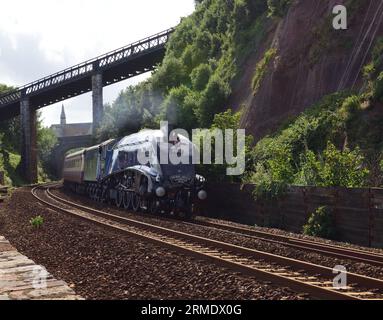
x=46, y=141
x=171, y=74
x=200, y=76
x=11, y=145
x=10, y=128
x=222, y=121
x=178, y=108
x=212, y=101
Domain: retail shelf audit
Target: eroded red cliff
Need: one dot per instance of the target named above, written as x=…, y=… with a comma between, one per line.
x=312, y=60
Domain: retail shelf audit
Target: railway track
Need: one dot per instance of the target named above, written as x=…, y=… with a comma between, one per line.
x=292, y=242
x=300, y=276
x=300, y=244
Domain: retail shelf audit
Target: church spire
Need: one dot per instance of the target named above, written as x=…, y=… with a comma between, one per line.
x=63, y=116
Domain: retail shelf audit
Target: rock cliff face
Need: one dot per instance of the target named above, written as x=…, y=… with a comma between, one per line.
x=312, y=60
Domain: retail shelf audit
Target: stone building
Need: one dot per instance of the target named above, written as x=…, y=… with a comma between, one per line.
x=64, y=130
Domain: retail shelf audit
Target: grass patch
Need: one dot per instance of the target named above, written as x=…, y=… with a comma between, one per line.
x=37, y=222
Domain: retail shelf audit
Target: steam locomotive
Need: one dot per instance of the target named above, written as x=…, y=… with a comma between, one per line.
x=138, y=172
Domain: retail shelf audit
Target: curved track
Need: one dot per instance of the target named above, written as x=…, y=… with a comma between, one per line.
x=303, y=277
x=301, y=244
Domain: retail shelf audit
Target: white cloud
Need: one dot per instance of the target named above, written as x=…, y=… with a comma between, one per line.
x=41, y=37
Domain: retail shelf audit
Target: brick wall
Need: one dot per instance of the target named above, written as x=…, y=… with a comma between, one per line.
x=358, y=212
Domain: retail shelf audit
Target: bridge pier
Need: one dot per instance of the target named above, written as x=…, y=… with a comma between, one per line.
x=97, y=100
x=28, y=121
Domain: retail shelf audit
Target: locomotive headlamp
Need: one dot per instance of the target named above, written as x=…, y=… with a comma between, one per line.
x=202, y=195
x=160, y=192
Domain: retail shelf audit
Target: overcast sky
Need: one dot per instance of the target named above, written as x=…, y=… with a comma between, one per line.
x=41, y=37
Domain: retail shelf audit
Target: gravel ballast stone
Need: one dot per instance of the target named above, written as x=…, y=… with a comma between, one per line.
x=245, y=241
x=101, y=264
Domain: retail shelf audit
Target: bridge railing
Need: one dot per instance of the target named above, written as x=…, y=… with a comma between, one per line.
x=88, y=67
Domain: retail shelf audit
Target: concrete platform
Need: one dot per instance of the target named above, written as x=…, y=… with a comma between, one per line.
x=22, y=279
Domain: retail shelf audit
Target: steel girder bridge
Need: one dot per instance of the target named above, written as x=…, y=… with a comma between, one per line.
x=92, y=75
x=115, y=66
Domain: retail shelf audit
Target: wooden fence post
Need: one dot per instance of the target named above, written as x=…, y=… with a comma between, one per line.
x=371, y=217
x=305, y=204
x=335, y=191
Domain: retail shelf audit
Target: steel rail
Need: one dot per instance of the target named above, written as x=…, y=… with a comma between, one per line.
x=302, y=244
x=233, y=257
x=296, y=243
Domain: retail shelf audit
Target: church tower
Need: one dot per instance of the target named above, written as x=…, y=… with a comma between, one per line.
x=63, y=116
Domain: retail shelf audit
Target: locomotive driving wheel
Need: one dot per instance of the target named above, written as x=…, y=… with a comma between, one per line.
x=104, y=193
x=98, y=194
x=136, y=202
x=127, y=200
x=119, y=198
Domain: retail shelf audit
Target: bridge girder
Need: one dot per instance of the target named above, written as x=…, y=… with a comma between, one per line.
x=115, y=66
x=92, y=75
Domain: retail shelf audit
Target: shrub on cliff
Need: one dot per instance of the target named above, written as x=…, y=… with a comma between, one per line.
x=261, y=68
x=217, y=172
x=319, y=148
x=334, y=168
x=373, y=73
x=278, y=8
x=378, y=88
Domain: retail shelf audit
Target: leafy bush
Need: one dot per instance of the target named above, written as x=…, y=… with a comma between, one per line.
x=222, y=121
x=10, y=146
x=320, y=224
x=274, y=169
x=343, y=168
x=335, y=168
x=306, y=152
x=172, y=74
x=179, y=107
x=350, y=107
x=46, y=141
x=200, y=76
x=212, y=101
x=378, y=88
x=278, y=8
x=373, y=73
x=261, y=68
x=37, y=222
x=267, y=188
